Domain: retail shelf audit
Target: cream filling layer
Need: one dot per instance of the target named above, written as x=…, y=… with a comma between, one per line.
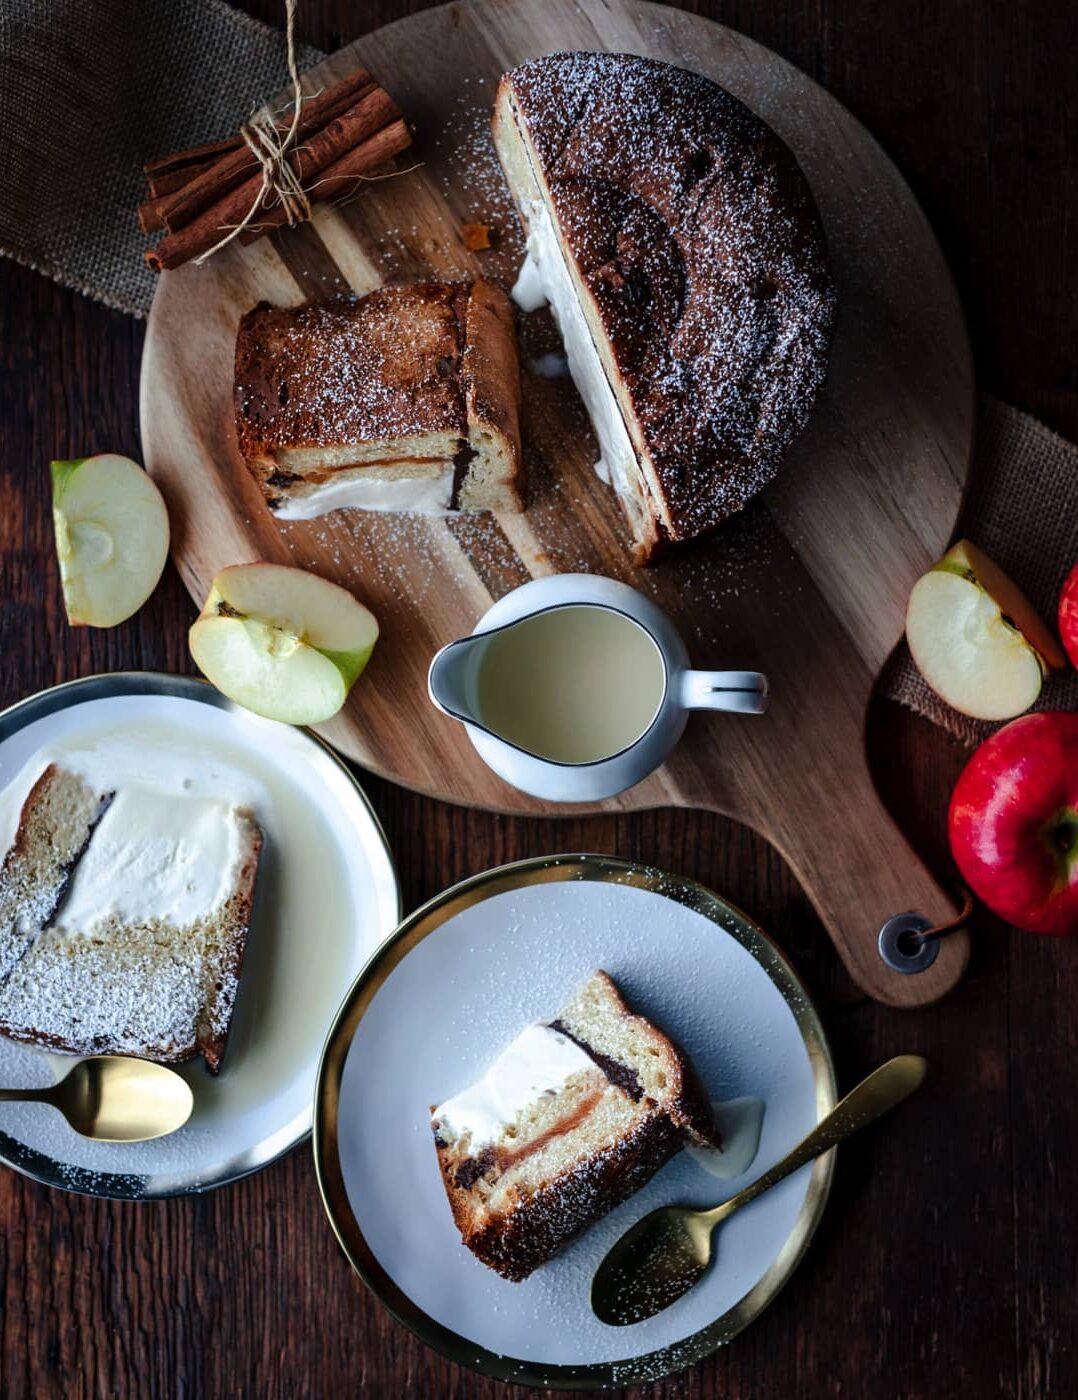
x=545, y=278
x=429, y=495
x=167, y=849
x=537, y=1063
x=153, y=857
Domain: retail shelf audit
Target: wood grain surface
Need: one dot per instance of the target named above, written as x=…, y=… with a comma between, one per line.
x=808, y=585
x=945, y=1263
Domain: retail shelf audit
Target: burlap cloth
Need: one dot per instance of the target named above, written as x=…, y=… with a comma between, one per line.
x=91, y=89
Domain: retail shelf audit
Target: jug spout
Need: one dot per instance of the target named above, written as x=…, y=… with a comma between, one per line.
x=453, y=677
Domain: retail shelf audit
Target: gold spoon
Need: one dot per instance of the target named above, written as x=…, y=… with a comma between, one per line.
x=116, y=1099
x=667, y=1252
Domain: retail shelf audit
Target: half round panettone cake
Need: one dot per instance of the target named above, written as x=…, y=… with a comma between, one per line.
x=678, y=244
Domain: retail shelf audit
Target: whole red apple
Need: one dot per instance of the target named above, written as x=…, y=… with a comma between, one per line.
x=1013, y=823
x=1068, y=615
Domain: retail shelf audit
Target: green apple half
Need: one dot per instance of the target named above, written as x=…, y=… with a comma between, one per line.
x=282, y=642
x=111, y=537
x=976, y=638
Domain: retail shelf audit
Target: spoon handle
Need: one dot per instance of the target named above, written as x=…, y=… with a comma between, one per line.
x=882, y=1090
x=42, y=1095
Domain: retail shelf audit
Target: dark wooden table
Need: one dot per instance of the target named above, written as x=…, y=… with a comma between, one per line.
x=947, y=1263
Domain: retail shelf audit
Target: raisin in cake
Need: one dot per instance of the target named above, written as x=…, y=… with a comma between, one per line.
x=123, y=919
x=573, y=1117
x=678, y=244
x=405, y=400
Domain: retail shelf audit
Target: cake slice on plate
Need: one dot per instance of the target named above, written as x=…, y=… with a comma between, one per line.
x=405, y=400
x=123, y=919
x=678, y=244
x=569, y=1120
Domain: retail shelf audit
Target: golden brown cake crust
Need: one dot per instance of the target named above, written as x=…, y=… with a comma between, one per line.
x=221, y=997
x=688, y=1106
x=386, y=366
x=490, y=374
x=696, y=236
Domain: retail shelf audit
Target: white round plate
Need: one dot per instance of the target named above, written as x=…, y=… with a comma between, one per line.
x=455, y=984
x=321, y=839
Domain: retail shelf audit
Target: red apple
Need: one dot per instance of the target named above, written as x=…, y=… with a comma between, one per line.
x=1014, y=822
x=1068, y=615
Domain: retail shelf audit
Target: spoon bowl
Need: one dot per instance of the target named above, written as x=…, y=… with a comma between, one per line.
x=114, y=1098
x=652, y=1265
x=668, y=1252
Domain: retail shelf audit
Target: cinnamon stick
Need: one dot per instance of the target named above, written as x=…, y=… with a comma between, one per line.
x=178, y=166
x=364, y=120
x=151, y=211
x=171, y=181
x=235, y=167
x=168, y=174
x=149, y=216
x=341, y=178
x=172, y=172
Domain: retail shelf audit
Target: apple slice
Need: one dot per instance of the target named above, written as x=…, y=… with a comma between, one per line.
x=976, y=638
x=111, y=537
x=282, y=642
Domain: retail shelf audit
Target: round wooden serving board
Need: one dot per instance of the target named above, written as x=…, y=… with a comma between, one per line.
x=808, y=585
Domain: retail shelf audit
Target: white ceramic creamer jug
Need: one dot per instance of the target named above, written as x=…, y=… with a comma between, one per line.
x=575, y=687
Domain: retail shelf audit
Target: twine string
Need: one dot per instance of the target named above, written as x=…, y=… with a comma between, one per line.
x=279, y=180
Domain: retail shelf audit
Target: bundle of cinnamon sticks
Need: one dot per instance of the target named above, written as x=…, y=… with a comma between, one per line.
x=199, y=195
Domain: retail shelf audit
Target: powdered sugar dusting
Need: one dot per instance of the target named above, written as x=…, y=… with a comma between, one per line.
x=470, y=178
x=387, y=366
x=145, y=992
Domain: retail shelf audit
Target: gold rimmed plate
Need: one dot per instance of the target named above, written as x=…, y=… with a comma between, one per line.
x=326, y=896
x=455, y=983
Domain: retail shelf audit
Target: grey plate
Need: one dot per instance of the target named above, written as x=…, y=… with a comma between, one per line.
x=456, y=981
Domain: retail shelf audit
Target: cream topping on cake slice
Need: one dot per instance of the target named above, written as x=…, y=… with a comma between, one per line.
x=167, y=848
x=537, y=1064
x=154, y=857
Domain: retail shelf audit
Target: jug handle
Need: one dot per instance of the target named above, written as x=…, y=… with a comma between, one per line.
x=741, y=692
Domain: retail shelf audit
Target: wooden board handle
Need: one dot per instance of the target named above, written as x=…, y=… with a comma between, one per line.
x=858, y=870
